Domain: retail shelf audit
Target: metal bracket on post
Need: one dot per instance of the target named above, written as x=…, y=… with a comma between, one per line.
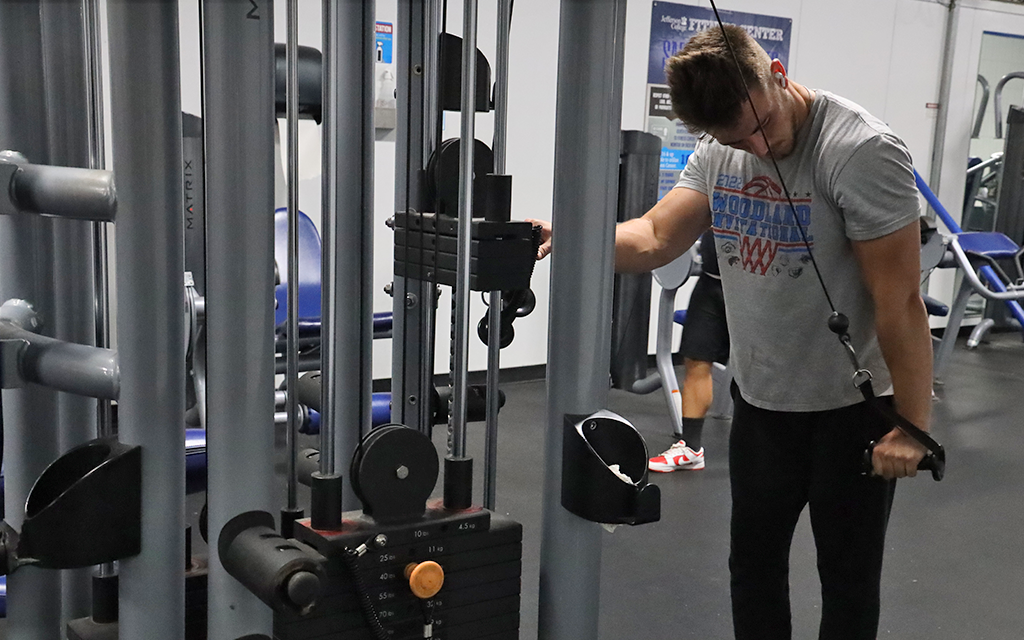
x=195, y=343
x=70, y=192
x=10, y=363
x=8, y=167
x=63, y=366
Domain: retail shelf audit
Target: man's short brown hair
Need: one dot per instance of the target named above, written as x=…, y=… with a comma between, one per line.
x=706, y=90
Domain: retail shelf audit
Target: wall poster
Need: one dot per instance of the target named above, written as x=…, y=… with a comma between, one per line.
x=672, y=25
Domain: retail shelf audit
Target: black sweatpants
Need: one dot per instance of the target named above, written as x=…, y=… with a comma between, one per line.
x=779, y=462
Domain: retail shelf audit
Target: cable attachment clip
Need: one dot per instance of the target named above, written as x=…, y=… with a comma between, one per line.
x=935, y=459
x=839, y=324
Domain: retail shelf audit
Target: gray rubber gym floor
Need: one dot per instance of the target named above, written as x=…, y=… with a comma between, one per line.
x=955, y=560
x=955, y=563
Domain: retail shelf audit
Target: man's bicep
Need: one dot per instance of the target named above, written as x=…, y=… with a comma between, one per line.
x=891, y=264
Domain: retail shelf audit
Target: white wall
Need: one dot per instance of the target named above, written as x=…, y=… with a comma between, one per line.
x=884, y=54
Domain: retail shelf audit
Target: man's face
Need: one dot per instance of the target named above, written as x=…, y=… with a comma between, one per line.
x=778, y=122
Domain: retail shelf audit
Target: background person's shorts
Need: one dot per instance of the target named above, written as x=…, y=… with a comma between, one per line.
x=705, y=333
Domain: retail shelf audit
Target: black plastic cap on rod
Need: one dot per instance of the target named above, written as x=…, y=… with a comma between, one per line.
x=104, y=599
x=458, y=483
x=325, y=507
x=288, y=518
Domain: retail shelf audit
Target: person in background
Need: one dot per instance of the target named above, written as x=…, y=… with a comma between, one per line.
x=705, y=342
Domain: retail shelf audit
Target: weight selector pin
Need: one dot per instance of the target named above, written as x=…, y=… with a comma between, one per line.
x=425, y=578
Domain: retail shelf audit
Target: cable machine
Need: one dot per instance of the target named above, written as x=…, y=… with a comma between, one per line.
x=401, y=566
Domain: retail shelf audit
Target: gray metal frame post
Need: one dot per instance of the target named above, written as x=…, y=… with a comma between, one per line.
x=461, y=291
x=494, y=297
x=587, y=121
x=238, y=117
x=146, y=112
x=945, y=82
x=30, y=413
x=414, y=300
x=347, y=298
x=65, y=74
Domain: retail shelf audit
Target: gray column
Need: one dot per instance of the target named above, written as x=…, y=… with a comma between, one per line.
x=146, y=134
x=31, y=438
x=67, y=109
x=587, y=121
x=347, y=313
x=238, y=118
x=416, y=136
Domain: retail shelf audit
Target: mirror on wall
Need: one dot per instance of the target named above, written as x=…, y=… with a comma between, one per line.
x=1000, y=84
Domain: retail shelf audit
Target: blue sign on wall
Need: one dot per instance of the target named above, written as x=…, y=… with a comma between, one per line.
x=673, y=24
x=674, y=159
x=385, y=33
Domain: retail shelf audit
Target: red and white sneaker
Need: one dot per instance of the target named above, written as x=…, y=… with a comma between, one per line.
x=679, y=456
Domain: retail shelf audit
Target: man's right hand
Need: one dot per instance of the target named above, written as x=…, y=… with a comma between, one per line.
x=545, y=237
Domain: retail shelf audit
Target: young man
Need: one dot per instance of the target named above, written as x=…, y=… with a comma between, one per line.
x=799, y=425
x=705, y=342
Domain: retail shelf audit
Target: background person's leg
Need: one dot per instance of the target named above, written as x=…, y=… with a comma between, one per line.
x=697, y=395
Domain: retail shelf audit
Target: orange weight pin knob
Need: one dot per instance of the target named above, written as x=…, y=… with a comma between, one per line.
x=425, y=578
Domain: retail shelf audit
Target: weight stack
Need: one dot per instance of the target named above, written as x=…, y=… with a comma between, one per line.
x=502, y=254
x=480, y=553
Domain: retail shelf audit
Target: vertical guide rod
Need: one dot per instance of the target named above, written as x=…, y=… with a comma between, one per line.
x=431, y=140
x=494, y=297
x=329, y=405
x=292, y=358
x=460, y=308
x=100, y=238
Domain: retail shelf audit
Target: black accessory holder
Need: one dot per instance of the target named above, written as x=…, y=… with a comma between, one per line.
x=591, y=489
x=85, y=509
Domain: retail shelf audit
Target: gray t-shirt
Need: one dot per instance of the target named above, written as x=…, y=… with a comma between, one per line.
x=850, y=178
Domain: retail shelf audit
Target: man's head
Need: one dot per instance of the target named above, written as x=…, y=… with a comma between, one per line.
x=709, y=92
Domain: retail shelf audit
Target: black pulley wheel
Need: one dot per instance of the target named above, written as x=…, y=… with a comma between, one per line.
x=527, y=304
x=507, y=332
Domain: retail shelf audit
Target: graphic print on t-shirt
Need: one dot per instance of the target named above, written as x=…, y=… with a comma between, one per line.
x=755, y=228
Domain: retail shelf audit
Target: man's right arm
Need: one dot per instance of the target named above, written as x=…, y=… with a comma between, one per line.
x=662, y=234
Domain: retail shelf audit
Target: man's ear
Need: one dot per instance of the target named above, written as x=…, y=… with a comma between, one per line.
x=779, y=73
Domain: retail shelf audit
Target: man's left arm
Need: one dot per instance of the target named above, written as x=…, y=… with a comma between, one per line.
x=891, y=268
